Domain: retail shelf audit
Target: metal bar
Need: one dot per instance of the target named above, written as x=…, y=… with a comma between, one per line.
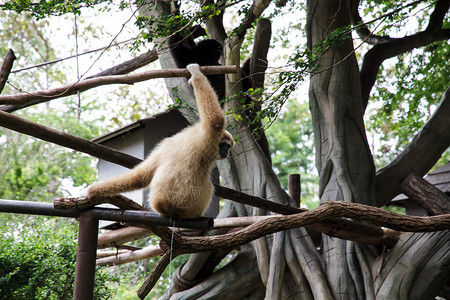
x=148, y=217
x=110, y=214
x=35, y=208
x=86, y=256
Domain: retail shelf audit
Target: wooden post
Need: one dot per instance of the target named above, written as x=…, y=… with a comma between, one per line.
x=294, y=188
x=86, y=256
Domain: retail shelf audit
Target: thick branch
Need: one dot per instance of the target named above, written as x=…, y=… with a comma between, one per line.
x=6, y=68
x=327, y=210
x=426, y=195
x=73, y=88
x=255, y=11
x=419, y=156
x=45, y=133
x=379, y=53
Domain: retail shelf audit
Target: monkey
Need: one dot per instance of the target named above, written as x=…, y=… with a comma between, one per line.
x=178, y=169
x=207, y=52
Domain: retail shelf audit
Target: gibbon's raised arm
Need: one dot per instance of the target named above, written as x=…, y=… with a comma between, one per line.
x=210, y=113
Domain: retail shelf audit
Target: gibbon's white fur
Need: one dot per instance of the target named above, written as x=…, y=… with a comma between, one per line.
x=178, y=169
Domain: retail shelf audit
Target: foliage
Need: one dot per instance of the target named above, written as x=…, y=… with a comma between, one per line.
x=291, y=144
x=37, y=261
x=36, y=170
x=42, y=9
x=408, y=93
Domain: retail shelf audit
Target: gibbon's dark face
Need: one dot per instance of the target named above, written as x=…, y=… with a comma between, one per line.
x=224, y=148
x=225, y=145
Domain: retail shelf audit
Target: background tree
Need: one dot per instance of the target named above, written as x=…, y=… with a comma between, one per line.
x=288, y=264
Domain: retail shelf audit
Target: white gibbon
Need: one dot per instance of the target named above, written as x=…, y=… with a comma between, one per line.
x=178, y=169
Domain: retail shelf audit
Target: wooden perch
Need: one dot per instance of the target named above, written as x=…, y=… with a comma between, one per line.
x=6, y=68
x=426, y=195
x=122, y=258
x=80, y=86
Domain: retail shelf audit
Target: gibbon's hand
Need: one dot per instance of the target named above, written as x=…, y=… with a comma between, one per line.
x=194, y=69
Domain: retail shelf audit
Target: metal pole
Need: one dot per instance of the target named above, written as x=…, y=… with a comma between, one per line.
x=86, y=255
x=110, y=214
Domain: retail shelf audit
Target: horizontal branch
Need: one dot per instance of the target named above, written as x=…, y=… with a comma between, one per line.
x=81, y=86
x=121, y=236
x=123, y=258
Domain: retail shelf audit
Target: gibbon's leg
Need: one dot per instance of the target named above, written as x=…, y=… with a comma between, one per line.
x=135, y=179
x=211, y=115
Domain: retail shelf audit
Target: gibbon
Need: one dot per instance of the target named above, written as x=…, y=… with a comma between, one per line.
x=178, y=169
x=207, y=52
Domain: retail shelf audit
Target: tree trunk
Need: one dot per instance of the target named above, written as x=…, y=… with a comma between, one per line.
x=287, y=265
x=347, y=173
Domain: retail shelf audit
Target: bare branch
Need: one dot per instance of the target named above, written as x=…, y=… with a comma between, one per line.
x=419, y=156
x=121, y=236
x=327, y=210
x=129, y=65
x=123, y=258
x=81, y=86
x=120, y=69
x=6, y=68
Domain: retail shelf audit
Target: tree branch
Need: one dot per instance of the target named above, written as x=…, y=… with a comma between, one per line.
x=419, y=156
x=361, y=28
x=6, y=68
x=123, y=68
x=255, y=12
x=426, y=195
x=81, y=86
x=154, y=275
x=123, y=258
x=379, y=53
